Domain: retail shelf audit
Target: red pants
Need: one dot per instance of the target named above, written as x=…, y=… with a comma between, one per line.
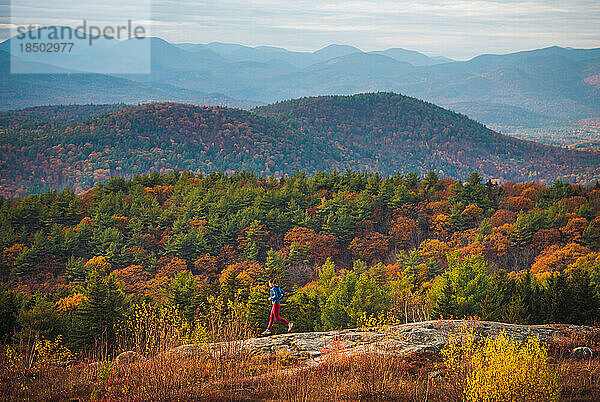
x=275, y=316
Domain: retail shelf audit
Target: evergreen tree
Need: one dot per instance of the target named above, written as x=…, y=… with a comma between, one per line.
x=591, y=236
x=470, y=282
x=335, y=313
x=9, y=308
x=258, y=306
x=445, y=306
x=74, y=270
x=305, y=312
x=528, y=296
x=556, y=301
x=39, y=317
x=96, y=318
x=368, y=300
x=229, y=285
x=584, y=300
x=182, y=294
x=431, y=181
x=276, y=266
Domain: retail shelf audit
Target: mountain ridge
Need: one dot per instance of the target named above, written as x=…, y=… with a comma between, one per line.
x=546, y=85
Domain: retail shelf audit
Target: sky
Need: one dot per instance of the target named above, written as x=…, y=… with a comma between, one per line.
x=459, y=29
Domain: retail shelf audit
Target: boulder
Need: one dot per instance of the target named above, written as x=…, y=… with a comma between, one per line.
x=127, y=358
x=582, y=352
x=94, y=368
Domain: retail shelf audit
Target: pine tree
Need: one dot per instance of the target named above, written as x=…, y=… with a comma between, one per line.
x=183, y=293
x=250, y=251
x=304, y=311
x=106, y=305
x=74, y=270
x=9, y=308
x=584, y=301
x=529, y=297
x=445, y=306
x=431, y=181
x=591, y=236
x=258, y=306
x=556, y=300
x=276, y=266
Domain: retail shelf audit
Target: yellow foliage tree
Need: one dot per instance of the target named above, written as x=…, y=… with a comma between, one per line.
x=69, y=303
x=500, y=369
x=99, y=264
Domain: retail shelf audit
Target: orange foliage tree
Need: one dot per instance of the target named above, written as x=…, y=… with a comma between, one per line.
x=472, y=213
x=517, y=204
x=438, y=207
x=402, y=231
x=441, y=226
x=503, y=216
x=497, y=243
x=558, y=258
x=436, y=250
x=318, y=247
x=574, y=229
x=370, y=247
x=208, y=266
x=133, y=277
x=168, y=268
x=544, y=238
x=573, y=203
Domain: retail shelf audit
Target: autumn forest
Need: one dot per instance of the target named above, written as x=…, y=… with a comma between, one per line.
x=349, y=249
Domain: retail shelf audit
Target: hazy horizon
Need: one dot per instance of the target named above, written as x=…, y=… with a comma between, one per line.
x=459, y=29
x=483, y=52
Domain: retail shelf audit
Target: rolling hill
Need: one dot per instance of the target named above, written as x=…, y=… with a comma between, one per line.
x=40, y=154
x=383, y=132
x=388, y=132
x=546, y=87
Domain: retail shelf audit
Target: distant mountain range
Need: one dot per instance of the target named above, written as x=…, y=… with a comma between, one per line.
x=525, y=89
x=53, y=147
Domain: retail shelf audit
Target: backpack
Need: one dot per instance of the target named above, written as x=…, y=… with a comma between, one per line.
x=280, y=293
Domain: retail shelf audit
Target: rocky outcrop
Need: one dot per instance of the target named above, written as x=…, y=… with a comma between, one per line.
x=404, y=339
x=400, y=340
x=128, y=357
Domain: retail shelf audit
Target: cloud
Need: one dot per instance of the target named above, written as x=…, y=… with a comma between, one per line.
x=455, y=28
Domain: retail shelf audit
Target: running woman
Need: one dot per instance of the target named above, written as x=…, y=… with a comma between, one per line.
x=276, y=295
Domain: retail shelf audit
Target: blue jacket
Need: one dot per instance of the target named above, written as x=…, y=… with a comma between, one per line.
x=276, y=294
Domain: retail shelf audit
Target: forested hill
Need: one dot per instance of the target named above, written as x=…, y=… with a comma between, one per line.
x=389, y=132
x=42, y=155
x=54, y=148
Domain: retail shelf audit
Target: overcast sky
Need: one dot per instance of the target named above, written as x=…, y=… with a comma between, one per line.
x=455, y=28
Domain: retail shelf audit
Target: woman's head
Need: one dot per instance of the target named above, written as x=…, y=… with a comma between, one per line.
x=272, y=282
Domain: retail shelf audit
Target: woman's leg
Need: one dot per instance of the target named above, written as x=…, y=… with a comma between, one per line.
x=272, y=316
x=277, y=317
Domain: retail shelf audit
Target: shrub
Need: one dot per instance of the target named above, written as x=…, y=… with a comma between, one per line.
x=500, y=369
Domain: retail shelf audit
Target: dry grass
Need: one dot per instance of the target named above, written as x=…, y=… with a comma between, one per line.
x=580, y=380
x=235, y=374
